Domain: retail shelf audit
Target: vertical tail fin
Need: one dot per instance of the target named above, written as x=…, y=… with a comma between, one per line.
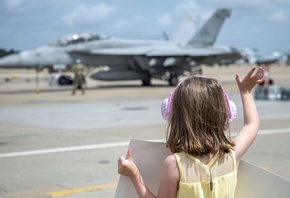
x=209, y=31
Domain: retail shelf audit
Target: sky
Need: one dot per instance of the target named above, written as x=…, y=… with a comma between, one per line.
x=263, y=25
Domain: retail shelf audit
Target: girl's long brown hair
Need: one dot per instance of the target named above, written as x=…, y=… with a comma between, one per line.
x=198, y=118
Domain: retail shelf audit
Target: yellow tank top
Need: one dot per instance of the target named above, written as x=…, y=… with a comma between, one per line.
x=217, y=179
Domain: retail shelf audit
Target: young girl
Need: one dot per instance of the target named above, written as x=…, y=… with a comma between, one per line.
x=204, y=160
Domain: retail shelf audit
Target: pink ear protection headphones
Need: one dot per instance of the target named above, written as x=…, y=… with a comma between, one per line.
x=166, y=105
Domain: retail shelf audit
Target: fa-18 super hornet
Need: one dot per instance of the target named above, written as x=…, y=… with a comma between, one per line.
x=128, y=59
x=261, y=58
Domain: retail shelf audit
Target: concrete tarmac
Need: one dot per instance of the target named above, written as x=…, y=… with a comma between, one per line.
x=53, y=144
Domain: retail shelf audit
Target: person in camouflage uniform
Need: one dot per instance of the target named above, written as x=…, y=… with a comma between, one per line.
x=79, y=77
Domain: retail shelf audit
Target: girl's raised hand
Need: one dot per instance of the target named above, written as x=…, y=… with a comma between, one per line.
x=250, y=80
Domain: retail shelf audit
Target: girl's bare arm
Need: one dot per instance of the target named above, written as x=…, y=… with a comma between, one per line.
x=250, y=129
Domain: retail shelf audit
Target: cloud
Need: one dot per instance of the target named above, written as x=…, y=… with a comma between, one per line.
x=125, y=24
x=130, y=18
x=189, y=16
x=186, y=6
x=164, y=19
x=14, y=3
x=119, y=1
x=266, y=10
x=21, y=6
x=84, y=14
x=277, y=16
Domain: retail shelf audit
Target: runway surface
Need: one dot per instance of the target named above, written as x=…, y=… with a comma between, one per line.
x=53, y=144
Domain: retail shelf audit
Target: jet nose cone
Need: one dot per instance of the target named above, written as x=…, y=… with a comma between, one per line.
x=9, y=61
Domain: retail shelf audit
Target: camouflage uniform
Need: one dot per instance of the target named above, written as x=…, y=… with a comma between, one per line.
x=79, y=79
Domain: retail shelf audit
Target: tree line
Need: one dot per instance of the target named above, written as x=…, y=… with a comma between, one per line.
x=4, y=52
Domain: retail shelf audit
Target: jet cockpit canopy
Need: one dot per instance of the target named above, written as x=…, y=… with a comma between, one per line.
x=78, y=38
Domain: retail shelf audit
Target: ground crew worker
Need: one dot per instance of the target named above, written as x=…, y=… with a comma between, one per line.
x=79, y=77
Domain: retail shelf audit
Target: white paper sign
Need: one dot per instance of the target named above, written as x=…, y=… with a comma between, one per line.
x=253, y=182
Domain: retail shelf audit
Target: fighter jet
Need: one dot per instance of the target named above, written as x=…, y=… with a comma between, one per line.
x=263, y=58
x=130, y=59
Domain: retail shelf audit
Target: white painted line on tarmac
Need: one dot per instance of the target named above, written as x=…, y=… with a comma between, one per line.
x=268, y=131
x=64, y=149
x=110, y=145
x=273, y=131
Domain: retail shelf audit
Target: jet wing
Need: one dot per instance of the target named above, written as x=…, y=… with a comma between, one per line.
x=113, y=56
x=187, y=51
x=154, y=52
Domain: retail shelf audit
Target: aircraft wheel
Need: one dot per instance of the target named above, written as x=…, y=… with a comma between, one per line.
x=173, y=80
x=64, y=80
x=146, y=82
